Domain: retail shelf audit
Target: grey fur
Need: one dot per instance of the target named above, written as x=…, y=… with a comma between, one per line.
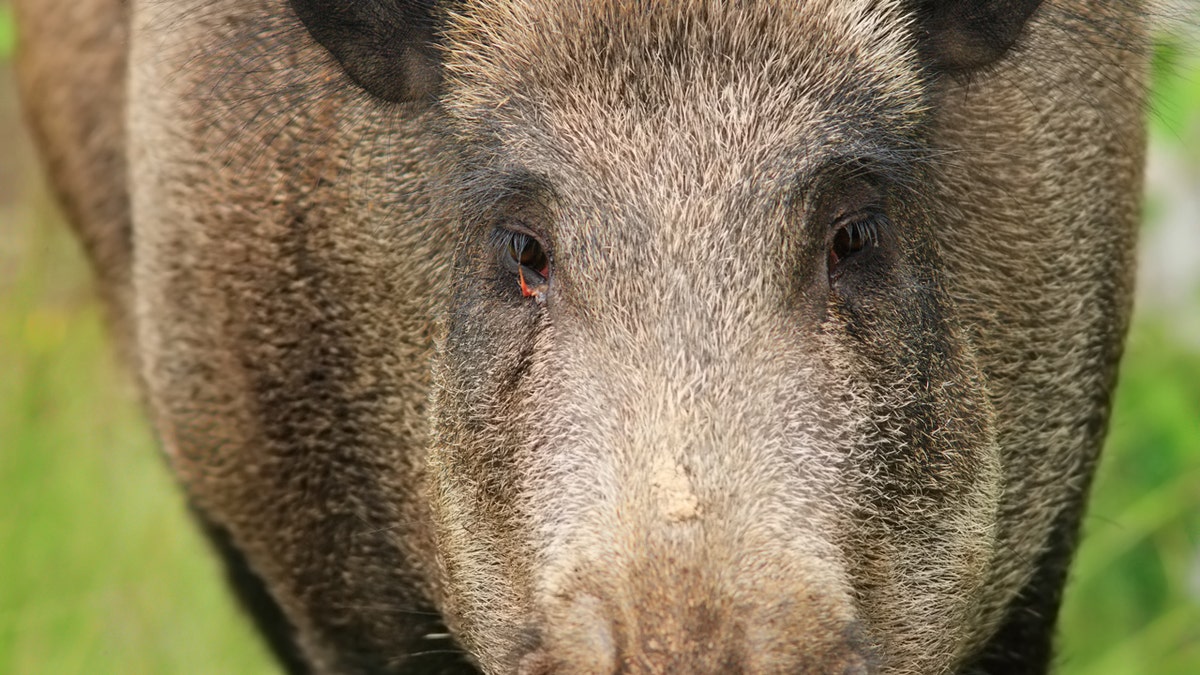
x=695, y=453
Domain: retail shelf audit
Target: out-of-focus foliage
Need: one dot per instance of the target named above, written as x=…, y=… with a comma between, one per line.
x=1175, y=100
x=8, y=32
x=1133, y=606
x=101, y=571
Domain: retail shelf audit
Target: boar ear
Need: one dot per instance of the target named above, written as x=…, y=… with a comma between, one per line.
x=385, y=46
x=961, y=35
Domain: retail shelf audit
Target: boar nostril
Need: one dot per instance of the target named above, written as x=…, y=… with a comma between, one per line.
x=535, y=663
x=857, y=668
x=577, y=638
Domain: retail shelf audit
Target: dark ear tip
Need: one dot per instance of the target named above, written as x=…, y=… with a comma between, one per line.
x=404, y=75
x=963, y=35
x=951, y=52
x=386, y=47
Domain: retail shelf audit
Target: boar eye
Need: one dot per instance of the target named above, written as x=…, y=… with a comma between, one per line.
x=854, y=237
x=523, y=254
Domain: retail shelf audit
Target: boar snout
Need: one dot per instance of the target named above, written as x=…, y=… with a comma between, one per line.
x=676, y=621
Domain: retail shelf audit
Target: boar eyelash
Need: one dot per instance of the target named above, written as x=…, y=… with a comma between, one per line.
x=524, y=254
x=852, y=236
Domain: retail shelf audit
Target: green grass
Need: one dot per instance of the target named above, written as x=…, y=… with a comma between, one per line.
x=100, y=570
x=1176, y=95
x=8, y=31
x=1133, y=605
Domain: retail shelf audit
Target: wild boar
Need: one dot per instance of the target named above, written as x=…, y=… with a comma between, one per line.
x=616, y=336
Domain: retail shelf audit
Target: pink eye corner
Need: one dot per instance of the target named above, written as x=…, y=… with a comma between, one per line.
x=525, y=254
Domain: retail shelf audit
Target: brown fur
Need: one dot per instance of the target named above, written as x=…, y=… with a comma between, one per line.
x=698, y=454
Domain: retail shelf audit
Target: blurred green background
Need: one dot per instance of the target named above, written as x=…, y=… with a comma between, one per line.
x=101, y=572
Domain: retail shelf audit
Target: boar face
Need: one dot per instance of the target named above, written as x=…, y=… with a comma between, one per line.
x=701, y=401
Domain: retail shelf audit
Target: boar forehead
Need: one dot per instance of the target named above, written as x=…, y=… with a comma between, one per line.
x=679, y=92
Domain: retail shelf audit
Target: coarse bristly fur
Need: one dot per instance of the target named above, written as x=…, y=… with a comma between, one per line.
x=709, y=435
